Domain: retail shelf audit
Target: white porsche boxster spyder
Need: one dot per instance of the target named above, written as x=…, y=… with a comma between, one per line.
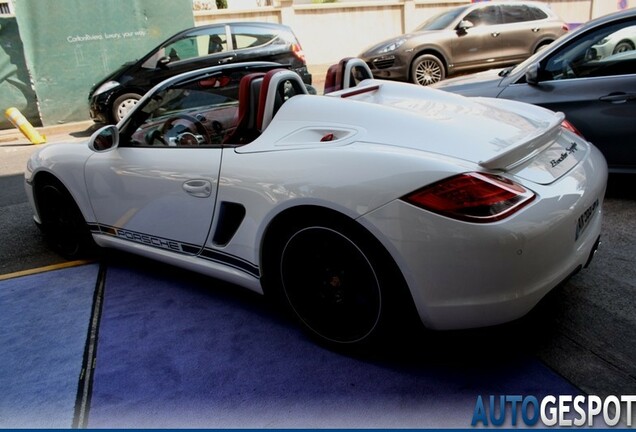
x=354, y=208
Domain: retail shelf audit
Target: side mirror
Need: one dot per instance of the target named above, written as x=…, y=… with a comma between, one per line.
x=464, y=25
x=104, y=139
x=163, y=62
x=532, y=74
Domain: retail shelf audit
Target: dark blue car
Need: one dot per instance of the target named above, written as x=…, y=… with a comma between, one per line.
x=589, y=74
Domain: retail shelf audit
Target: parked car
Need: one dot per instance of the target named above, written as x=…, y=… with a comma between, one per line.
x=466, y=38
x=194, y=48
x=592, y=83
x=355, y=209
x=615, y=43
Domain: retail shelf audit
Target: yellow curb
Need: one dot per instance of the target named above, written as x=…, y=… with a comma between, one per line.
x=44, y=269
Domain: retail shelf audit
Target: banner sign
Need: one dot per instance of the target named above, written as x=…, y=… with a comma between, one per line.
x=71, y=44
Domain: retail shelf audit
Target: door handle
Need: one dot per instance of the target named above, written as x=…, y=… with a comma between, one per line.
x=618, y=97
x=198, y=188
x=226, y=59
x=495, y=34
x=536, y=29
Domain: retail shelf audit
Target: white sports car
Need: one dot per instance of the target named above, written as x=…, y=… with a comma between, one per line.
x=354, y=208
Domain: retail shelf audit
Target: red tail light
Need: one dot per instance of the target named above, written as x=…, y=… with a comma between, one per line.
x=473, y=197
x=569, y=126
x=298, y=52
x=565, y=28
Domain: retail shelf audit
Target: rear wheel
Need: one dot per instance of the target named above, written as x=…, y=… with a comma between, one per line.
x=542, y=46
x=623, y=46
x=337, y=280
x=427, y=69
x=63, y=225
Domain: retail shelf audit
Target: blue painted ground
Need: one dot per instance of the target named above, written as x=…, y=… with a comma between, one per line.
x=177, y=351
x=43, y=324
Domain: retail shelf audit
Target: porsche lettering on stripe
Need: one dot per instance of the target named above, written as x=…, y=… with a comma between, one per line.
x=175, y=246
x=149, y=240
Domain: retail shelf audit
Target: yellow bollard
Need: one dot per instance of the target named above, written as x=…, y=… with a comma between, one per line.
x=19, y=121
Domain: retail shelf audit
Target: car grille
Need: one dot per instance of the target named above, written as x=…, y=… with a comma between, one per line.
x=382, y=62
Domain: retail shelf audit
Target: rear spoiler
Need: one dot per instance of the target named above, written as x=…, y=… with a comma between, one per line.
x=522, y=151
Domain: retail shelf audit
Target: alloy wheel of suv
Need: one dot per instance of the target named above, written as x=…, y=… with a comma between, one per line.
x=427, y=69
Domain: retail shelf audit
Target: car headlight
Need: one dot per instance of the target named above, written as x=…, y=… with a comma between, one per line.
x=603, y=41
x=105, y=87
x=392, y=46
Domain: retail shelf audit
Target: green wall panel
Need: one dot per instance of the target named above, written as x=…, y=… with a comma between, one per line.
x=15, y=84
x=71, y=44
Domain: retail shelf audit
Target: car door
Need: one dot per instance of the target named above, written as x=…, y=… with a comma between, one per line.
x=597, y=93
x=158, y=188
x=520, y=32
x=480, y=44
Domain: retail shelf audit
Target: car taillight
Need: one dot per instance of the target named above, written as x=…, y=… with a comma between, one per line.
x=298, y=51
x=569, y=126
x=472, y=197
x=565, y=28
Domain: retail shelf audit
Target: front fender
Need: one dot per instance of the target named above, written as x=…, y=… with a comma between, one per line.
x=66, y=163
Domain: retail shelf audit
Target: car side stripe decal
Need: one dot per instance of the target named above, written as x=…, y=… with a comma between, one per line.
x=230, y=260
x=178, y=247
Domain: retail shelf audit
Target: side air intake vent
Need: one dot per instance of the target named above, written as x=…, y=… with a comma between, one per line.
x=231, y=216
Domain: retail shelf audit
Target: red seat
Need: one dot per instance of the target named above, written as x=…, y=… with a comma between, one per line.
x=249, y=92
x=279, y=85
x=346, y=74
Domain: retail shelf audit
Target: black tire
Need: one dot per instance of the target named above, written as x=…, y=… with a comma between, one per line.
x=334, y=278
x=62, y=223
x=123, y=104
x=542, y=46
x=427, y=69
x=623, y=46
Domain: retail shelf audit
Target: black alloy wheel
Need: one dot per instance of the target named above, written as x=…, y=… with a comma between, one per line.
x=63, y=225
x=329, y=281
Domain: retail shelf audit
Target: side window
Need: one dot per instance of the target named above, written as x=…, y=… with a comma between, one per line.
x=537, y=14
x=516, y=14
x=488, y=15
x=246, y=36
x=605, y=52
x=197, y=45
x=200, y=113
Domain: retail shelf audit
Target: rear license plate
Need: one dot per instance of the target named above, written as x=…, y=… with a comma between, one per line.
x=586, y=218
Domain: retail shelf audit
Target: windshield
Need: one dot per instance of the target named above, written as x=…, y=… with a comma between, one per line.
x=442, y=20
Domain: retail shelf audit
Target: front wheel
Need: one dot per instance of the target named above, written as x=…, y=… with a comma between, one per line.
x=123, y=104
x=63, y=225
x=427, y=69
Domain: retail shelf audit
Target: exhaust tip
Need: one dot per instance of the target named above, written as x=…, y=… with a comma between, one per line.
x=597, y=244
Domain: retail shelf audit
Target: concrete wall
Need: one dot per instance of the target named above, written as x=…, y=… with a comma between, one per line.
x=331, y=31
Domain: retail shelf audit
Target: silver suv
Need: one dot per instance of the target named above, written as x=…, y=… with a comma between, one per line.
x=466, y=39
